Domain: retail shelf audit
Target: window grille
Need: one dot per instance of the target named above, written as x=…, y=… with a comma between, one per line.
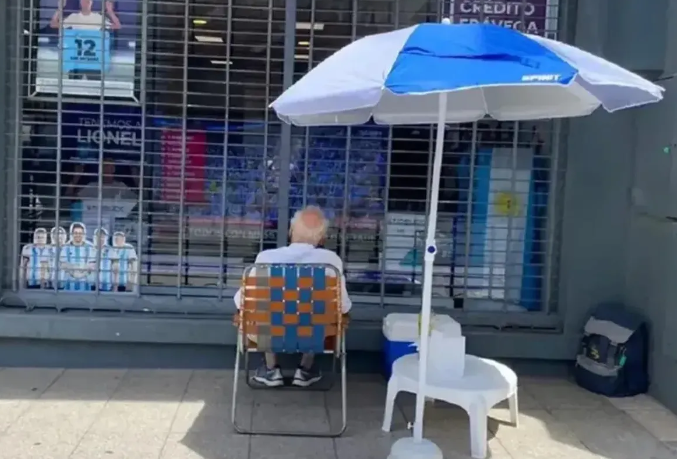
x=152, y=123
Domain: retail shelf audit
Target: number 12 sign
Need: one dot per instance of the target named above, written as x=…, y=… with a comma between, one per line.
x=86, y=50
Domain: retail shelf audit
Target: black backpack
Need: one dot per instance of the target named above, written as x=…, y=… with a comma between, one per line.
x=613, y=356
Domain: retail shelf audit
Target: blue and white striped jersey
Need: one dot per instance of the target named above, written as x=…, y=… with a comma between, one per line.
x=77, y=262
x=105, y=269
x=126, y=257
x=39, y=261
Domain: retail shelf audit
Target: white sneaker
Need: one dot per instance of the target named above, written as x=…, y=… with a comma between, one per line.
x=305, y=378
x=268, y=377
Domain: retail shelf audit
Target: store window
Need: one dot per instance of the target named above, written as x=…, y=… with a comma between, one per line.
x=152, y=165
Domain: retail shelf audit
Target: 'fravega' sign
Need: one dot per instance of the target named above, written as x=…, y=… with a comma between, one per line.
x=528, y=16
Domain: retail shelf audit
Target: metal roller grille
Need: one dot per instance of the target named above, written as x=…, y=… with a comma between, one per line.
x=160, y=134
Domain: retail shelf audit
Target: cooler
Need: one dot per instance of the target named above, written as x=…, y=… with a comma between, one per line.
x=400, y=331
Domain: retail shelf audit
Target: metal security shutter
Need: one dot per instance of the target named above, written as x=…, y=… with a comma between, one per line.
x=173, y=145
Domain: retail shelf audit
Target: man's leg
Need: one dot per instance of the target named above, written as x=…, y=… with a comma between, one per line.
x=271, y=360
x=307, y=360
x=305, y=374
x=268, y=374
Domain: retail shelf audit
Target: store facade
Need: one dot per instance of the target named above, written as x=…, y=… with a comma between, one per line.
x=143, y=170
x=146, y=149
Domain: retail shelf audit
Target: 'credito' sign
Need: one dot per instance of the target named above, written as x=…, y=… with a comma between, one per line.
x=529, y=16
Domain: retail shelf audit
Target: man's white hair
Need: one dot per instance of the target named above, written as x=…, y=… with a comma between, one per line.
x=302, y=232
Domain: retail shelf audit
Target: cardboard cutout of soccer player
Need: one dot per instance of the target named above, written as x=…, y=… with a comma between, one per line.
x=78, y=260
x=124, y=266
x=58, y=237
x=36, y=262
x=106, y=255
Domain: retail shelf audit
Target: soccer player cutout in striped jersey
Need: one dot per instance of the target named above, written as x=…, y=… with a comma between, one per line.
x=105, y=260
x=57, y=243
x=78, y=259
x=124, y=264
x=36, y=261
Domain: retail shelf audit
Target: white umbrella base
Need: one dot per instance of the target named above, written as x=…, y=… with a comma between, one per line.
x=408, y=448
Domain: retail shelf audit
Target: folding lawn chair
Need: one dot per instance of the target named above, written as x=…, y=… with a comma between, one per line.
x=291, y=309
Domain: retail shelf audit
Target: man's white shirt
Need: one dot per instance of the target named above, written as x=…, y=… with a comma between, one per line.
x=91, y=21
x=116, y=190
x=300, y=254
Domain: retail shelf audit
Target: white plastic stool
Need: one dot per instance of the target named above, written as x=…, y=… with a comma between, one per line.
x=484, y=384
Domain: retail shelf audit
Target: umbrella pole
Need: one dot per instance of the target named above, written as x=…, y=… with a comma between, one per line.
x=429, y=259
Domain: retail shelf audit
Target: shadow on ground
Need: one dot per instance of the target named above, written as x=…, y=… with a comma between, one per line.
x=182, y=414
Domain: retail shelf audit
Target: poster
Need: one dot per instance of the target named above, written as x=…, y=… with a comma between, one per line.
x=172, y=163
x=57, y=260
x=84, y=130
x=530, y=16
x=492, y=253
x=251, y=174
x=84, y=46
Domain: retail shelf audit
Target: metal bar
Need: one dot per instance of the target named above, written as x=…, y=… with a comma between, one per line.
x=184, y=135
x=346, y=179
x=554, y=193
x=266, y=119
x=15, y=189
x=469, y=208
x=59, y=154
x=226, y=132
x=306, y=131
x=142, y=160
x=552, y=19
x=471, y=190
x=99, y=185
x=551, y=222
x=511, y=216
x=5, y=82
x=386, y=194
x=499, y=134
x=285, y=134
x=31, y=35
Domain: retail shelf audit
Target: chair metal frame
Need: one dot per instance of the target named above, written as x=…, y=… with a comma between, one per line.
x=246, y=347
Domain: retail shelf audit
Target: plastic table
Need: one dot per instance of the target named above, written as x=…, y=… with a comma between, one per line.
x=484, y=384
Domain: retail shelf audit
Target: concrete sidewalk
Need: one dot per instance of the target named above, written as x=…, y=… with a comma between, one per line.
x=175, y=414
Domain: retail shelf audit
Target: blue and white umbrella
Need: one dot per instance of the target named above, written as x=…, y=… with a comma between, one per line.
x=442, y=73
x=485, y=70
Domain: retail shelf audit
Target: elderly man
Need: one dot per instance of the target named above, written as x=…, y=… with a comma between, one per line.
x=308, y=230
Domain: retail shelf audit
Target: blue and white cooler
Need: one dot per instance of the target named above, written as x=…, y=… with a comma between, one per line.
x=400, y=333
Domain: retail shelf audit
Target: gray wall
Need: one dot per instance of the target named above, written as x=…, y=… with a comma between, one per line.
x=652, y=239
x=617, y=242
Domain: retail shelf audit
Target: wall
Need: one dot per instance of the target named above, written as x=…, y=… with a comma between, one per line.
x=652, y=239
x=596, y=210
x=617, y=242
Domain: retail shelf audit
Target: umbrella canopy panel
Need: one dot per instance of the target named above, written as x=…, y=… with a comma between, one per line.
x=485, y=70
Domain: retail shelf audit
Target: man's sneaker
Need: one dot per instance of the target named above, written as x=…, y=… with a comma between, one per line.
x=268, y=377
x=305, y=378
